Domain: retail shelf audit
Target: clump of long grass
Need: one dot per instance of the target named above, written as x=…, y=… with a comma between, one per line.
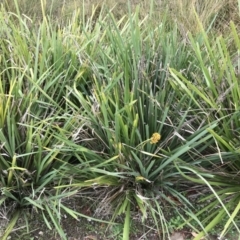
x=130, y=106
x=215, y=95
x=35, y=123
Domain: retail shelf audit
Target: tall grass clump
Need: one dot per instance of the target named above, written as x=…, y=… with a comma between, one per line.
x=215, y=96
x=134, y=118
x=35, y=124
x=127, y=106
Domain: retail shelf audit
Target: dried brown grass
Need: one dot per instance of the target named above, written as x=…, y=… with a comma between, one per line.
x=187, y=13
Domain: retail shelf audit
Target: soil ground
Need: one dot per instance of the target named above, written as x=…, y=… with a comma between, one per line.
x=86, y=229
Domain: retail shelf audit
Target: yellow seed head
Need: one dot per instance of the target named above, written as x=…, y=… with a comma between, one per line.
x=155, y=138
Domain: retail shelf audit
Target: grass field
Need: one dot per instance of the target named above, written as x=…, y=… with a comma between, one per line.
x=120, y=120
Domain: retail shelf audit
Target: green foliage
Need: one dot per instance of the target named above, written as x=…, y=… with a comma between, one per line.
x=127, y=106
x=215, y=93
x=35, y=125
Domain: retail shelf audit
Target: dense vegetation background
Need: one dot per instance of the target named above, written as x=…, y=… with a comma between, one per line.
x=133, y=106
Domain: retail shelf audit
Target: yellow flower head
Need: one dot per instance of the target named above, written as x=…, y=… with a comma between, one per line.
x=155, y=138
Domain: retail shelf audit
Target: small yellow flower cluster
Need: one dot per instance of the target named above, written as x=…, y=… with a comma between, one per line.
x=155, y=138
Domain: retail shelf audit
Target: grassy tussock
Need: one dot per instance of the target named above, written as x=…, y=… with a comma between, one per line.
x=140, y=104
